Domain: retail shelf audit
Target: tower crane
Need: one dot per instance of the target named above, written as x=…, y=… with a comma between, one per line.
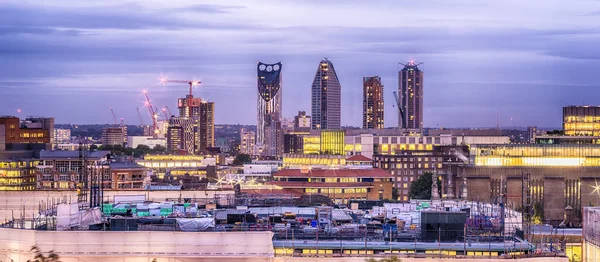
x=164, y=110
x=192, y=83
x=114, y=116
x=153, y=114
x=169, y=110
x=399, y=109
x=140, y=116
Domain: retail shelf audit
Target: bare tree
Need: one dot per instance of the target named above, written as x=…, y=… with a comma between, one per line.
x=40, y=257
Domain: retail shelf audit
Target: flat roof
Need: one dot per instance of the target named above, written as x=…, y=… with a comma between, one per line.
x=363, y=173
x=57, y=154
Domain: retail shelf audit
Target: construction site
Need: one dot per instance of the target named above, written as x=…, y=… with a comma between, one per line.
x=168, y=225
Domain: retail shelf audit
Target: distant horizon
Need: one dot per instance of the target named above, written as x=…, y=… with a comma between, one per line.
x=359, y=127
x=75, y=61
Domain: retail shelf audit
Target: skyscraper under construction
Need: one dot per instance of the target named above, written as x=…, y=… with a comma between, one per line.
x=326, y=94
x=268, y=130
x=200, y=115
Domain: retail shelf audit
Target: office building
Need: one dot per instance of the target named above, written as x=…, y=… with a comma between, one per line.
x=268, y=129
x=372, y=103
x=581, y=120
x=29, y=134
x=410, y=90
x=326, y=98
x=114, y=136
x=302, y=120
x=17, y=173
x=62, y=135
x=181, y=135
x=247, y=142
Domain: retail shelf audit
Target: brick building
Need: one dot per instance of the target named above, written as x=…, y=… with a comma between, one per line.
x=341, y=185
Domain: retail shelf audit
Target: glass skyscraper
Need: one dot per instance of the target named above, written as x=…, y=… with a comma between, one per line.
x=410, y=88
x=268, y=129
x=326, y=102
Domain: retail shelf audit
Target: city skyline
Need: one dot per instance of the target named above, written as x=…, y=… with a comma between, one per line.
x=521, y=61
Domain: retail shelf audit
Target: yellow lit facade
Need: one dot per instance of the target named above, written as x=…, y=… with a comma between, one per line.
x=17, y=175
x=332, y=142
x=581, y=120
x=561, y=155
x=312, y=144
x=305, y=160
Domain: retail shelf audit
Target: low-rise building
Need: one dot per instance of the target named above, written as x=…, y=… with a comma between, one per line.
x=62, y=135
x=341, y=185
x=128, y=175
x=135, y=141
x=63, y=169
x=114, y=136
x=32, y=133
x=17, y=174
x=408, y=165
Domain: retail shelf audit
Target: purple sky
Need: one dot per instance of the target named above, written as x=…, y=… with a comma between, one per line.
x=525, y=59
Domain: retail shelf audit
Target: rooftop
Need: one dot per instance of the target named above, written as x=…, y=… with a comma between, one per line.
x=359, y=158
x=368, y=173
x=54, y=154
x=319, y=184
x=121, y=165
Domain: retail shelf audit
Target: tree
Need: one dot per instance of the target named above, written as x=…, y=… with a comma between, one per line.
x=40, y=257
x=395, y=194
x=421, y=188
x=242, y=159
x=159, y=149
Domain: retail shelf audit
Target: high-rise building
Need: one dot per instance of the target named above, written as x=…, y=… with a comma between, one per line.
x=29, y=134
x=206, y=126
x=247, y=142
x=410, y=88
x=113, y=136
x=202, y=114
x=62, y=135
x=181, y=135
x=326, y=102
x=302, y=120
x=268, y=129
x=581, y=120
x=372, y=103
